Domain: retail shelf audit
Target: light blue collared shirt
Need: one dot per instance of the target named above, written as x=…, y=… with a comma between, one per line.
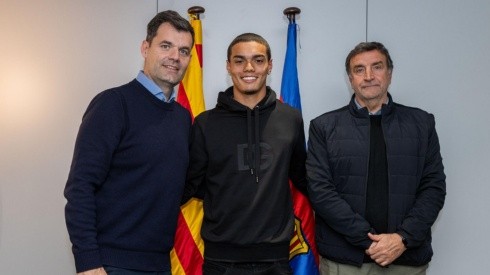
x=371, y=114
x=153, y=88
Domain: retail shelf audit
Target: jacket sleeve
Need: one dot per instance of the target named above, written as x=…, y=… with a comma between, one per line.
x=431, y=193
x=326, y=200
x=196, y=174
x=98, y=137
x=297, y=169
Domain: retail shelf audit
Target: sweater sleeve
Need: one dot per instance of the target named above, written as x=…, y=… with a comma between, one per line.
x=326, y=201
x=431, y=193
x=98, y=137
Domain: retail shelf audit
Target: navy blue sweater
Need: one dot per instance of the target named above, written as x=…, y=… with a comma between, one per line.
x=126, y=180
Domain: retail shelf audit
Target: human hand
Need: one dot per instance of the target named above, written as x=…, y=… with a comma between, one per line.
x=97, y=271
x=385, y=248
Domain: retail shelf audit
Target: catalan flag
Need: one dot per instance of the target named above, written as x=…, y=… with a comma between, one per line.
x=187, y=255
x=303, y=256
x=190, y=93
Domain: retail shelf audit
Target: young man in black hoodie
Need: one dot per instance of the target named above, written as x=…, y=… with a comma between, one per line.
x=243, y=153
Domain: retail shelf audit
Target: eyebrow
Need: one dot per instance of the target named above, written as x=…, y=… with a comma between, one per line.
x=165, y=42
x=372, y=64
x=243, y=57
x=172, y=44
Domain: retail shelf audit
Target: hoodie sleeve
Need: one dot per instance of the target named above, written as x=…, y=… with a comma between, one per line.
x=297, y=170
x=198, y=164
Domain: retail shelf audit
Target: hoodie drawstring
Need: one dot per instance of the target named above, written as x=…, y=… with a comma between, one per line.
x=253, y=155
x=257, y=144
x=249, y=138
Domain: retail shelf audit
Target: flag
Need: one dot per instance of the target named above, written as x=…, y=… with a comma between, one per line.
x=187, y=255
x=303, y=256
x=190, y=93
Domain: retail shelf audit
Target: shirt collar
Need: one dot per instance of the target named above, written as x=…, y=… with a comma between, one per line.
x=371, y=114
x=153, y=88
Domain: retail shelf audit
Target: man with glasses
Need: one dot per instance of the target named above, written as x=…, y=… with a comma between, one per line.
x=375, y=176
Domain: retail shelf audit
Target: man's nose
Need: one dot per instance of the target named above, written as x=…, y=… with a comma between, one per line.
x=368, y=75
x=174, y=53
x=248, y=66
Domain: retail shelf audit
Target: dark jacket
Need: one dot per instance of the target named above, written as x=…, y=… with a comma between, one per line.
x=337, y=166
x=126, y=179
x=248, y=214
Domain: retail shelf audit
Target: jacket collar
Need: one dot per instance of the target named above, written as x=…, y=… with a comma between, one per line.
x=386, y=109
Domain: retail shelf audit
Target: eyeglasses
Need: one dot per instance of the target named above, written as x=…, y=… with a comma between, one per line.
x=376, y=69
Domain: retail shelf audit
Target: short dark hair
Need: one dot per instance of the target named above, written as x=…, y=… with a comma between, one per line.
x=171, y=17
x=249, y=37
x=366, y=47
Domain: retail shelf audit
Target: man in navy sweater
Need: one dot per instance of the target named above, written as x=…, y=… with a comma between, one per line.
x=130, y=161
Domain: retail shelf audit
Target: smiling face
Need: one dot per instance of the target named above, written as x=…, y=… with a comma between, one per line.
x=370, y=77
x=248, y=66
x=167, y=56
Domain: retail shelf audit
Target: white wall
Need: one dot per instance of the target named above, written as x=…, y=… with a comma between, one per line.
x=56, y=55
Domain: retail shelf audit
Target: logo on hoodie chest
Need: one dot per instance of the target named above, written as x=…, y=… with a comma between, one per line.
x=246, y=155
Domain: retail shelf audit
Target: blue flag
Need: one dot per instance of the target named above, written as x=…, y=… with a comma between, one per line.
x=290, y=83
x=302, y=251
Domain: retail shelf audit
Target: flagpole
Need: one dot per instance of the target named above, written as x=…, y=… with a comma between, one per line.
x=187, y=254
x=303, y=256
x=196, y=11
x=291, y=13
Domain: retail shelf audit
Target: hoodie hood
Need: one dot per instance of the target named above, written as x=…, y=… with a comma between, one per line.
x=228, y=103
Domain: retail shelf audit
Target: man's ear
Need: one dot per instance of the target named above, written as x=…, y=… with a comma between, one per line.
x=144, y=48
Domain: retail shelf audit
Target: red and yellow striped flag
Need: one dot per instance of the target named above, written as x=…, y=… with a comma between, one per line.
x=190, y=93
x=187, y=255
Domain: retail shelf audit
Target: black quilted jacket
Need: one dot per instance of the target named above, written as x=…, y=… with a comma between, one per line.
x=337, y=167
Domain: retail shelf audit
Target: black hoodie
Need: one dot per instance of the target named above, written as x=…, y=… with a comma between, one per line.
x=248, y=214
